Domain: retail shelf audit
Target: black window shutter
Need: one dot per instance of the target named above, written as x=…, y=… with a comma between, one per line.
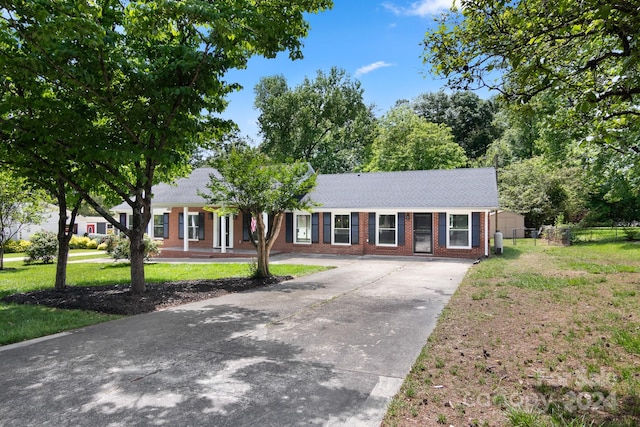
x=288, y=225
x=201, y=226
x=165, y=225
x=400, y=229
x=246, y=222
x=355, y=228
x=475, y=229
x=372, y=228
x=101, y=228
x=442, y=230
x=315, y=232
x=123, y=219
x=326, y=227
x=181, y=225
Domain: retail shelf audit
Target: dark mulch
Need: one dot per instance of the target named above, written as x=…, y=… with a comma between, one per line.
x=117, y=299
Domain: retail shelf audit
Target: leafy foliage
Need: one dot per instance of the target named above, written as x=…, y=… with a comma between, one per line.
x=469, y=117
x=324, y=121
x=583, y=52
x=406, y=141
x=541, y=192
x=136, y=85
x=119, y=246
x=250, y=182
x=43, y=247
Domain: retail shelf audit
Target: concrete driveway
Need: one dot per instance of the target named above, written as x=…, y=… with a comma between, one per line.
x=328, y=349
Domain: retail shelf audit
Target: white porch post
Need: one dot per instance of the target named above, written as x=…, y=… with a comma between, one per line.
x=185, y=229
x=231, y=221
x=223, y=233
x=265, y=219
x=486, y=233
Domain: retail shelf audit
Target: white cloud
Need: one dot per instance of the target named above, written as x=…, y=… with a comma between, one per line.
x=420, y=8
x=372, y=67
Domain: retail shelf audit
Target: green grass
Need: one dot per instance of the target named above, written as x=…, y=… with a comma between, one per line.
x=21, y=322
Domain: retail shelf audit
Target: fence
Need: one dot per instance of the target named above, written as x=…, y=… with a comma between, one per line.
x=567, y=235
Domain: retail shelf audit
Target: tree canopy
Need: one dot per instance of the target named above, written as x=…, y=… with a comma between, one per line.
x=584, y=52
x=147, y=78
x=323, y=121
x=20, y=206
x=406, y=141
x=250, y=182
x=469, y=117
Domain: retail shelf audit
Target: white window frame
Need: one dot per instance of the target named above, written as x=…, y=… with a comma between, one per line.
x=161, y=236
x=333, y=228
x=191, y=227
x=395, y=229
x=450, y=228
x=308, y=229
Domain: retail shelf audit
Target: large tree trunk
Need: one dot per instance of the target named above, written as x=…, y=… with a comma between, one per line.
x=136, y=253
x=265, y=242
x=64, y=235
x=2, y=255
x=261, y=247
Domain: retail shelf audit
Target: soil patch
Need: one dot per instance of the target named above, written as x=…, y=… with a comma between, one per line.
x=117, y=299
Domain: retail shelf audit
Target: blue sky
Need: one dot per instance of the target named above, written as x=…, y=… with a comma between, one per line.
x=377, y=42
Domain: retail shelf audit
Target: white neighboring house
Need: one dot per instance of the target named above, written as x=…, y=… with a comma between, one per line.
x=82, y=225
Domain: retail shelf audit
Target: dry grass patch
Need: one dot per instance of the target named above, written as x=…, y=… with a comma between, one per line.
x=530, y=339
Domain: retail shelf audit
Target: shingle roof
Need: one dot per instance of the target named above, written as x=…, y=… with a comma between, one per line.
x=452, y=188
x=184, y=192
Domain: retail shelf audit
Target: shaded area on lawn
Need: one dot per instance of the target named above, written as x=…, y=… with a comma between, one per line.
x=117, y=299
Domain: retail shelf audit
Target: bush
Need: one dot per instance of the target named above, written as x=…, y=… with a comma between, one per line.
x=118, y=247
x=43, y=247
x=102, y=246
x=77, y=242
x=16, y=246
x=92, y=244
x=100, y=238
x=632, y=233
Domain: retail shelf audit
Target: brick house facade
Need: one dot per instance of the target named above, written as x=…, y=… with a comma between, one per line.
x=441, y=213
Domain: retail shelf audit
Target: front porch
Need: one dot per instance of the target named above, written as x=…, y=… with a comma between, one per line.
x=179, y=252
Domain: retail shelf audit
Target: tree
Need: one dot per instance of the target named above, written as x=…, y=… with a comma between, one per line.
x=324, y=121
x=583, y=52
x=147, y=78
x=253, y=184
x=20, y=206
x=469, y=117
x=541, y=192
x=405, y=141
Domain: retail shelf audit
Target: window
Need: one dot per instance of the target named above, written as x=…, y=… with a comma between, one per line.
x=158, y=226
x=193, y=224
x=341, y=229
x=303, y=228
x=459, y=231
x=387, y=230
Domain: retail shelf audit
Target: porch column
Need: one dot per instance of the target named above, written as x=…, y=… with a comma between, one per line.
x=486, y=233
x=265, y=219
x=231, y=221
x=223, y=234
x=214, y=230
x=185, y=229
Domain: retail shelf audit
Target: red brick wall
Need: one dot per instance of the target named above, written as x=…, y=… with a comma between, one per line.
x=363, y=248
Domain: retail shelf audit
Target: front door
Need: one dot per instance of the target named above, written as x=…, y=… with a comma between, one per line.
x=226, y=233
x=422, y=233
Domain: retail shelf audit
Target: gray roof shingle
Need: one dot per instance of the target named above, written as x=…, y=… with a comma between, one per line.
x=451, y=188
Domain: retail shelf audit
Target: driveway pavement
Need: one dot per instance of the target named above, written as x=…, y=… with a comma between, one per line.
x=328, y=349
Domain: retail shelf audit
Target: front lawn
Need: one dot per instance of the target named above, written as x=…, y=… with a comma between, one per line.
x=541, y=336
x=20, y=322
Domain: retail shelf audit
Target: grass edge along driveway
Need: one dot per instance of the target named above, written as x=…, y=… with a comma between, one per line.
x=541, y=336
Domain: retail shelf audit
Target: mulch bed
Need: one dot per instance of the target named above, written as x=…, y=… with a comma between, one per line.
x=117, y=299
